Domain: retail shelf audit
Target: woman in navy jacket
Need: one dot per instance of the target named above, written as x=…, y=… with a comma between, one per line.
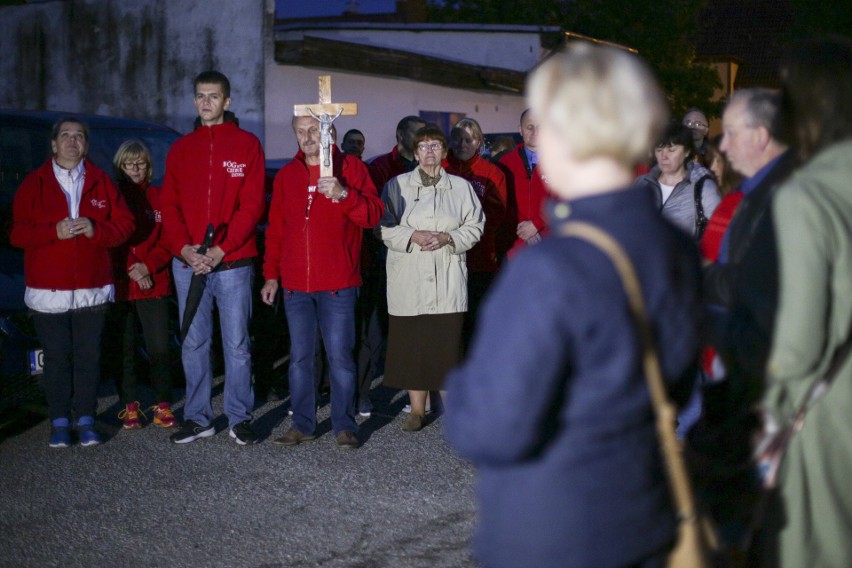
x=552, y=404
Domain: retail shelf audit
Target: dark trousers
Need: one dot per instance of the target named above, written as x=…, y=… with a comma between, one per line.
x=153, y=315
x=478, y=284
x=72, y=360
x=371, y=328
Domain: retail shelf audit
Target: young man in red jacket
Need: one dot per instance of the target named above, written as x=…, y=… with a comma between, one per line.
x=313, y=246
x=527, y=191
x=215, y=175
x=67, y=214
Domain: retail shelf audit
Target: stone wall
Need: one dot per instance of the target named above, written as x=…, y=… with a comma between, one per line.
x=133, y=59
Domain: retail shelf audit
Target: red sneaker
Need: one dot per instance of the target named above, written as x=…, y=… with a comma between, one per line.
x=163, y=416
x=130, y=416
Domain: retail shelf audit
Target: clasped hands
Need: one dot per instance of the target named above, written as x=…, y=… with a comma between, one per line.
x=202, y=263
x=528, y=232
x=138, y=272
x=430, y=240
x=71, y=228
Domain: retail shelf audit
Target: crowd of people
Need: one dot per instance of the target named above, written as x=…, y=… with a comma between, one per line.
x=455, y=278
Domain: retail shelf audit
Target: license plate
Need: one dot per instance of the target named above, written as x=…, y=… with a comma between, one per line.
x=36, y=361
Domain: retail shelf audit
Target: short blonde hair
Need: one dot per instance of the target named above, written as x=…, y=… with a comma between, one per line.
x=474, y=128
x=133, y=150
x=600, y=100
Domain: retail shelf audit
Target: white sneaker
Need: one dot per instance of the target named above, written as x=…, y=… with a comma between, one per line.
x=407, y=408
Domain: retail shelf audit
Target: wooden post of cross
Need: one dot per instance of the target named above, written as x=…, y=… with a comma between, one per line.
x=325, y=112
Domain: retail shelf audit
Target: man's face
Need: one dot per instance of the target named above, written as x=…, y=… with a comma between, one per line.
x=70, y=145
x=307, y=130
x=529, y=131
x=211, y=104
x=740, y=140
x=406, y=138
x=353, y=144
x=697, y=122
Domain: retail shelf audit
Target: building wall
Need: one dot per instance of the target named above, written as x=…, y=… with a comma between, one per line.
x=381, y=103
x=133, y=59
x=477, y=45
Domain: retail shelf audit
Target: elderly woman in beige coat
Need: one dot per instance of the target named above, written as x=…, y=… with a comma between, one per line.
x=810, y=522
x=431, y=219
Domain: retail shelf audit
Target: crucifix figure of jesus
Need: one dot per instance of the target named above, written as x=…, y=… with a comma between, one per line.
x=325, y=112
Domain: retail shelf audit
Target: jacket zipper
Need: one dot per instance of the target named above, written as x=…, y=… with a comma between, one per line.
x=210, y=179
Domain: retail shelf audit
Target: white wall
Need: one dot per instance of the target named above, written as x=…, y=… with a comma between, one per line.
x=382, y=102
x=132, y=59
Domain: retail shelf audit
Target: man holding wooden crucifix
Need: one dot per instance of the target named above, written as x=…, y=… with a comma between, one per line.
x=313, y=247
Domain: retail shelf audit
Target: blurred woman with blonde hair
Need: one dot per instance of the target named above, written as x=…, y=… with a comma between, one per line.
x=552, y=405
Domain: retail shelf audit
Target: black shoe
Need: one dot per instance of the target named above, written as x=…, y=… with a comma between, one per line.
x=190, y=431
x=243, y=434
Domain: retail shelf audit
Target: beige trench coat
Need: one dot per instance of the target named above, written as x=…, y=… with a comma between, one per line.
x=428, y=282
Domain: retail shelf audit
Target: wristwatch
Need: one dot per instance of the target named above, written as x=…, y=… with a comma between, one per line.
x=343, y=195
x=450, y=240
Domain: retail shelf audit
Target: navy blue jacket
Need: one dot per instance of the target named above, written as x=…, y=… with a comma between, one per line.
x=552, y=405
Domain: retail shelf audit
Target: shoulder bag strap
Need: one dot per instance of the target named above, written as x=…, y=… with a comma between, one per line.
x=700, y=217
x=664, y=410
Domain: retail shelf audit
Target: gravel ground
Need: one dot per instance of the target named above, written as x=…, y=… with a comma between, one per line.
x=401, y=500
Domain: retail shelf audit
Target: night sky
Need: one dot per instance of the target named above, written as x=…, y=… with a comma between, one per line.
x=313, y=8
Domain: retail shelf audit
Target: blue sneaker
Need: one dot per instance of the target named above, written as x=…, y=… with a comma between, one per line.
x=60, y=433
x=86, y=431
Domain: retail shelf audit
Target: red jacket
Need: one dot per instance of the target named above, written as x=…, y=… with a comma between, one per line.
x=526, y=193
x=215, y=175
x=489, y=183
x=71, y=264
x=386, y=167
x=714, y=234
x=320, y=252
x=144, y=245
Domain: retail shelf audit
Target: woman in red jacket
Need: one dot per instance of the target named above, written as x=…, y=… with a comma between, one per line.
x=142, y=284
x=489, y=183
x=67, y=214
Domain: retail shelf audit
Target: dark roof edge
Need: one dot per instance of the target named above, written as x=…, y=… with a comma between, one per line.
x=431, y=27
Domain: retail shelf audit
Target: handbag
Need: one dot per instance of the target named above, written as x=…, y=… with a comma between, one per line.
x=772, y=447
x=697, y=545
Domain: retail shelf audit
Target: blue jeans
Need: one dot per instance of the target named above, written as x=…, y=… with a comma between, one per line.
x=231, y=290
x=334, y=314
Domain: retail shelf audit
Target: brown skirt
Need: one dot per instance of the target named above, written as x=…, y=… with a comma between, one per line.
x=422, y=350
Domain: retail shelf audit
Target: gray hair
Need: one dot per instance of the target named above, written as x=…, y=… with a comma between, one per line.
x=762, y=108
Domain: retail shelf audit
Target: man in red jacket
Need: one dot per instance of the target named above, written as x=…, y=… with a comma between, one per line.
x=215, y=175
x=67, y=214
x=313, y=246
x=526, y=188
x=401, y=158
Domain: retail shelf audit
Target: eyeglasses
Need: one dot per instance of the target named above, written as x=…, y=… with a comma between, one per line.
x=135, y=165
x=434, y=146
x=695, y=124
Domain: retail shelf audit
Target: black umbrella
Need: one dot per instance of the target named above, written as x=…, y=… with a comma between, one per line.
x=196, y=286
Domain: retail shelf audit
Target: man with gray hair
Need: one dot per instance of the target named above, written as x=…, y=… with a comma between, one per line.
x=742, y=285
x=750, y=141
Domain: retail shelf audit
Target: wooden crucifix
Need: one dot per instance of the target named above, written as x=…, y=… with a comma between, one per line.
x=325, y=112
